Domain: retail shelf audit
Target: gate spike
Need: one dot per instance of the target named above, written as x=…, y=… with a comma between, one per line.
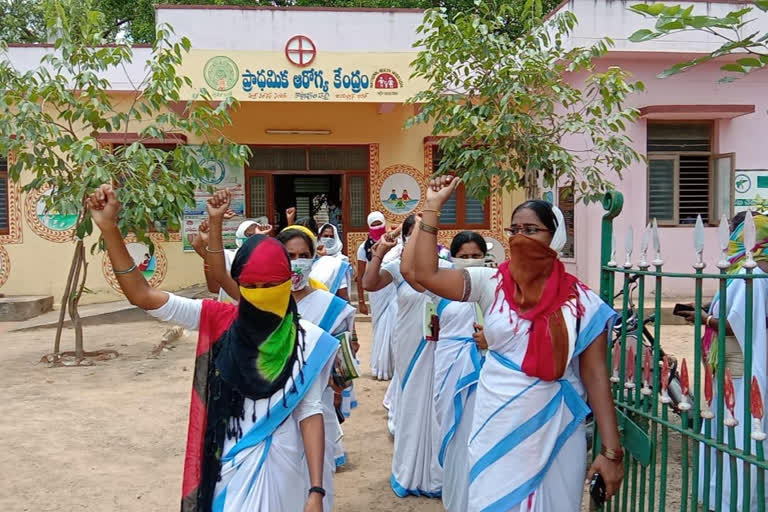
x=628, y=246
x=749, y=240
x=612, y=262
x=646, y=373
x=724, y=236
x=616, y=362
x=698, y=242
x=665, y=380
x=644, y=248
x=684, y=405
x=707, y=412
x=730, y=399
x=756, y=406
x=657, y=244
x=630, y=371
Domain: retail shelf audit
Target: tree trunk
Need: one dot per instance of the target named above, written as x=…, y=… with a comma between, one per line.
x=74, y=299
x=532, y=185
x=64, y=303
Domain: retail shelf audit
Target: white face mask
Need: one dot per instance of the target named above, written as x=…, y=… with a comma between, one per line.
x=300, y=269
x=330, y=244
x=468, y=262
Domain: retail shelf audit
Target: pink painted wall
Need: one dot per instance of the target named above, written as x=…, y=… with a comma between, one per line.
x=746, y=136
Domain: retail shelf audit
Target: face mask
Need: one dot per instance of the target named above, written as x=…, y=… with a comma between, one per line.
x=377, y=232
x=273, y=299
x=300, y=269
x=331, y=246
x=468, y=262
x=530, y=265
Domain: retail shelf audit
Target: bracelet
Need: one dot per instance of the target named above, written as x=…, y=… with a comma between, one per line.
x=612, y=455
x=432, y=230
x=123, y=272
x=213, y=251
x=707, y=322
x=436, y=212
x=318, y=490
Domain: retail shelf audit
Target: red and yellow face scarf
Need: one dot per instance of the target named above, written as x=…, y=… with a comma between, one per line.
x=247, y=351
x=536, y=286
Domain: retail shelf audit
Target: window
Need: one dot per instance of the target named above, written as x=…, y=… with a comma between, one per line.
x=685, y=179
x=461, y=210
x=4, y=198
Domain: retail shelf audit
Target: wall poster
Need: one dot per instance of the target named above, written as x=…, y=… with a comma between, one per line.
x=223, y=175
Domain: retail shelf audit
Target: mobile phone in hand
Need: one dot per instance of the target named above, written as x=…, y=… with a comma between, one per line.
x=597, y=491
x=680, y=308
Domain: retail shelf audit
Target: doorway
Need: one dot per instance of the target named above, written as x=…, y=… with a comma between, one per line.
x=318, y=197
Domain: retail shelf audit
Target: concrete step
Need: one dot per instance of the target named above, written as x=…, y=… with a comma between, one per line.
x=19, y=308
x=105, y=313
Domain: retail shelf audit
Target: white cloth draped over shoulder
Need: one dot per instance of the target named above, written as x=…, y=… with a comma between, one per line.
x=333, y=270
x=335, y=316
x=736, y=314
x=265, y=469
x=415, y=468
x=527, y=446
x=457, y=370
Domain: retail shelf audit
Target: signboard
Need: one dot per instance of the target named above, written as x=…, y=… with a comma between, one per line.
x=223, y=175
x=750, y=189
x=301, y=74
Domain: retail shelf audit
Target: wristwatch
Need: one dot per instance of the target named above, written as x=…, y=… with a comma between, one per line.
x=318, y=490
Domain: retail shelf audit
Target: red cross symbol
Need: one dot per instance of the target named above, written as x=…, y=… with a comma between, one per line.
x=300, y=50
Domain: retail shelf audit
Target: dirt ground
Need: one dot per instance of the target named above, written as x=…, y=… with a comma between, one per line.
x=110, y=437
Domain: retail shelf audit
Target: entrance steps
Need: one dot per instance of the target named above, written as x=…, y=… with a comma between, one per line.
x=18, y=308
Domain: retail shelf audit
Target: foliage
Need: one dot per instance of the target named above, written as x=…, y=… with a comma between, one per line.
x=50, y=116
x=134, y=21
x=733, y=29
x=509, y=109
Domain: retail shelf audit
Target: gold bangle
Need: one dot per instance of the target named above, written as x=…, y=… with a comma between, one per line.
x=707, y=322
x=436, y=212
x=612, y=455
x=432, y=230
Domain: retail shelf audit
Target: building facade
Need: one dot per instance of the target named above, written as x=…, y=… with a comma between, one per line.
x=322, y=107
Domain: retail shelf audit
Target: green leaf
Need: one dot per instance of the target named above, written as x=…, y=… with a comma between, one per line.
x=644, y=35
x=750, y=62
x=733, y=67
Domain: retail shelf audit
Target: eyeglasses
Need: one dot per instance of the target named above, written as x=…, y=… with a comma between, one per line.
x=525, y=229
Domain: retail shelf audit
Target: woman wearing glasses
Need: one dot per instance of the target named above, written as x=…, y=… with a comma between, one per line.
x=546, y=335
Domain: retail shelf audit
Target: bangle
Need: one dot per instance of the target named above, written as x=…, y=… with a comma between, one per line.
x=612, y=455
x=707, y=322
x=318, y=490
x=213, y=251
x=427, y=228
x=123, y=272
x=433, y=210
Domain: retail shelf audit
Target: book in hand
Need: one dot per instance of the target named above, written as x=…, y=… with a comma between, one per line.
x=431, y=322
x=345, y=368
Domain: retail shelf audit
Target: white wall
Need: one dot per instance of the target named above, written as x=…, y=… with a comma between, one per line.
x=612, y=18
x=269, y=29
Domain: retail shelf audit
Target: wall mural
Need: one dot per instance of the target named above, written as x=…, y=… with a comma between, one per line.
x=5, y=266
x=14, y=235
x=48, y=224
x=398, y=191
x=152, y=267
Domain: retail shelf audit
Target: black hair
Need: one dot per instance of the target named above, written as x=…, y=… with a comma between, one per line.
x=466, y=237
x=324, y=227
x=543, y=211
x=287, y=235
x=408, y=224
x=308, y=222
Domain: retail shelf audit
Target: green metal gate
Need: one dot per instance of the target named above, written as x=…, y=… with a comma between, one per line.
x=650, y=425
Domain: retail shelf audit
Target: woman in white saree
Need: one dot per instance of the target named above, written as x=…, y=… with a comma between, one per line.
x=546, y=335
x=256, y=427
x=415, y=468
